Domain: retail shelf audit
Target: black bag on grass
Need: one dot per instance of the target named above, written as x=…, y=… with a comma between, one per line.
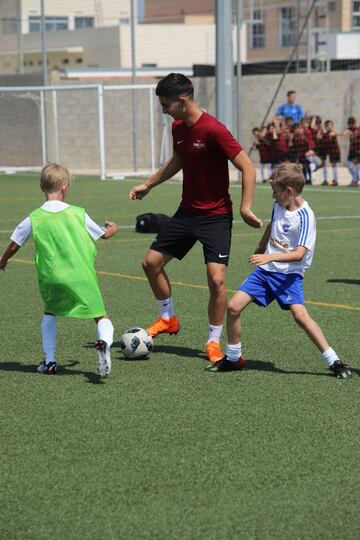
x=151, y=223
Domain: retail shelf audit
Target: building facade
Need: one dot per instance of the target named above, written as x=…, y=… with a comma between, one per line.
x=96, y=33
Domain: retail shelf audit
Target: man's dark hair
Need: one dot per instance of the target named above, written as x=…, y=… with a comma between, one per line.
x=174, y=85
x=351, y=121
x=290, y=92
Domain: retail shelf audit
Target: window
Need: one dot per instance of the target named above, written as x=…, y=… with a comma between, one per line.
x=124, y=20
x=52, y=24
x=257, y=30
x=84, y=22
x=288, y=28
x=356, y=15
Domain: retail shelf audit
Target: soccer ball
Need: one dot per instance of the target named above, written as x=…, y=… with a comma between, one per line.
x=136, y=343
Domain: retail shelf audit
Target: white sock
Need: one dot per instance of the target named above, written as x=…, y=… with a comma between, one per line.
x=48, y=333
x=352, y=169
x=357, y=171
x=166, y=308
x=214, y=333
x=335, y=174
x=233, y=352
x=105, y=331
x=330, y=356
x=325, y=175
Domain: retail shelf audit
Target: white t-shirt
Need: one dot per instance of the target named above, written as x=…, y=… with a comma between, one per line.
x=289, y=230
x=24, y=230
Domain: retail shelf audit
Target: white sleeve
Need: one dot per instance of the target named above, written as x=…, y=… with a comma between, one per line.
x=22, y=232
x=307, y=229
x=93, y=228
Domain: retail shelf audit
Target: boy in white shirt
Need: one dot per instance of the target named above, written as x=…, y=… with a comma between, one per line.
x=64, y=237
x=283, y=255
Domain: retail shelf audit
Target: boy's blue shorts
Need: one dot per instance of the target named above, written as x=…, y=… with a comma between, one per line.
x=264, y=287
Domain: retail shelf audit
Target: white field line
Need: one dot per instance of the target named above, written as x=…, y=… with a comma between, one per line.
x=237, y=221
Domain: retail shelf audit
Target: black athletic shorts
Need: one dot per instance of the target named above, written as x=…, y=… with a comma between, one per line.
x=184, y=229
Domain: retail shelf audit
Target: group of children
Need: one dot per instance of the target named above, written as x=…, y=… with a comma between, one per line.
x=310, y=143
x=64, y=237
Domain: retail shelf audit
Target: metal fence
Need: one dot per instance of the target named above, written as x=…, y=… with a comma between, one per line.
x=101, y=129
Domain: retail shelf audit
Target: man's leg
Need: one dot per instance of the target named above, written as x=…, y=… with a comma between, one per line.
x=153, y=266
x=313, y=330
x=216, y=274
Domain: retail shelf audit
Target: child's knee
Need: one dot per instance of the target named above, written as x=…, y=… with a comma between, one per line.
x=233, y=308
x=300, y=315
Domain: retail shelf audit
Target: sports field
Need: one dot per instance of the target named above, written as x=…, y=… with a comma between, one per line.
x=163, y=450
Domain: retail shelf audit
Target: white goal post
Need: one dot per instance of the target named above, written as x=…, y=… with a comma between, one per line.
x=110, y=130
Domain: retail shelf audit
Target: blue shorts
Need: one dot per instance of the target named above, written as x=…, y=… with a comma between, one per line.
x=264, y=287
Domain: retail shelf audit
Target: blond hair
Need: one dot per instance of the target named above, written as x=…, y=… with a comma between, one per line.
x=288, y=175
x=53, y=176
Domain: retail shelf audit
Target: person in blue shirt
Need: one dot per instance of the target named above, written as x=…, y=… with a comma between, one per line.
x=291, y=109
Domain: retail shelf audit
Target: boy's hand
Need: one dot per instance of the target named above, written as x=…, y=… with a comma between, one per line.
x=109, y=224
x=110, y=229
x=260, y=258
x=250, y=218
x=139, y=192
x=3, y=264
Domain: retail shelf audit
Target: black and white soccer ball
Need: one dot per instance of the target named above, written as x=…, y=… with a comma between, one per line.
x=136, y=343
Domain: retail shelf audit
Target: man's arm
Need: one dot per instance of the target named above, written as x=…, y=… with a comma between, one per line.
x=8, y=253
x=166, y=171
x=294, y=256
x=243, y=163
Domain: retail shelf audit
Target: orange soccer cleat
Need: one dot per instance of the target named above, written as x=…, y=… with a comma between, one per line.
x=164, y=326
x=213, y=350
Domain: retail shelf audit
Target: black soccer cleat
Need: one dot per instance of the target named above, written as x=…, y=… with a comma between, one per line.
x=47, y=369
x=340, y=370
x=225, y=365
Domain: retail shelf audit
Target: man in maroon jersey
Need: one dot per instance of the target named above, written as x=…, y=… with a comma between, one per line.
x=202, y=147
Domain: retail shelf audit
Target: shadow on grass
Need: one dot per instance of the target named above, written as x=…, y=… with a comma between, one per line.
x=182, y=352
x=91, y=377
x=263, y=365
x=346, y=281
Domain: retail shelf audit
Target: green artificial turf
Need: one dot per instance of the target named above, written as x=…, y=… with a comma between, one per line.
x=163, y=450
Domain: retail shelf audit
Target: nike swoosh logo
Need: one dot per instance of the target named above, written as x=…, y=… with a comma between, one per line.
x=222, y=256
x=179, y=142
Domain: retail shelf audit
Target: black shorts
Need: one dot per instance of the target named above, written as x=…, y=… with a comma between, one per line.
x=184, y=229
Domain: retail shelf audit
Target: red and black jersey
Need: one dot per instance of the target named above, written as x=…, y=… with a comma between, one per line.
x=264, y=150
x=319, y=143
x=331, y=147
x=301, y=146
x=204, y=150
x=273, y=148
x=354, y=144
x=310, y=137
x=284, y=139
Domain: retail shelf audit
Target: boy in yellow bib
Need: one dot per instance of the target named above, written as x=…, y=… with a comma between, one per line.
x=64, y=237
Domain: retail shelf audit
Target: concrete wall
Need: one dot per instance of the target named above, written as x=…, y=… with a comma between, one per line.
x=332, y=96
